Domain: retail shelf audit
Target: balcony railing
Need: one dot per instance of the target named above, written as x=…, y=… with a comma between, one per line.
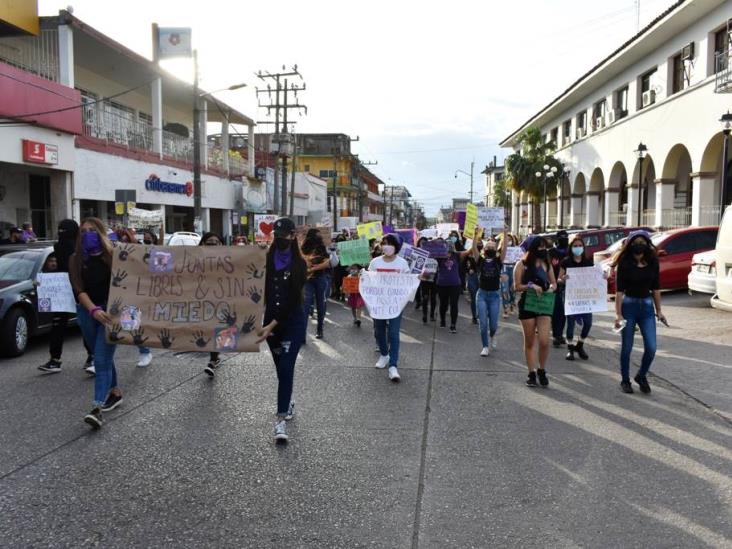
x=710, y=215
x=723, y=72
x=676, y=218
x=177, y=147
x=35, y=54
x=617, y=219
x=648, y=219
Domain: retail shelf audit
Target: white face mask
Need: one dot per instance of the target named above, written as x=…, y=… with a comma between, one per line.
x=388, y=250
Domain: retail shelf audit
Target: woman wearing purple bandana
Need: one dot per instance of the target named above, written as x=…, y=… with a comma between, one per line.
x=284, y=324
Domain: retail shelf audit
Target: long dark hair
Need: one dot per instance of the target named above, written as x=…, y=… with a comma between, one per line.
x=584, y=248
x=298, y=271
x=625, y=256
x=530, y=256
x=208, y=235
x=313, y=243
x=393, y=241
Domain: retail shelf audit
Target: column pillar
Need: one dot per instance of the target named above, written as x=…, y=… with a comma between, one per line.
x=225, y=144
x=202, y=121
x=205, y=219
x=552, y=213
x=516, y=213
x=157, y=115
x=665, y=194
x=161, y=208
x=703, y=196
x=592, y=208
x=530, y=219
x=66, y=55
x=612, y=206
x=576, y=209
x=633, y=205
x=250, y=149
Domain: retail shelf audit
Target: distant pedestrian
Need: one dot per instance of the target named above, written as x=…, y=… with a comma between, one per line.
x=508, y=294
x=449, y=284
x=354, y=300
x=489, y=266
x=472, y=277
x=214, y=358
x=427, y=290
x=557, y=254
x=317, y=258
x=284, y=324
x=637, y=303
x=27, y=235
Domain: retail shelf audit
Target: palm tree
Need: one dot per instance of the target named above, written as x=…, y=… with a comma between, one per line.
x=521, y=168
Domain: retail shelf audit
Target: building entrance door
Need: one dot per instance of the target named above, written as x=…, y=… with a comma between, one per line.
x=40, y=205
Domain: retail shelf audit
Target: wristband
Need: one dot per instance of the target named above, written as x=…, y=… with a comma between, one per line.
x=94, y=310
x=530, y=285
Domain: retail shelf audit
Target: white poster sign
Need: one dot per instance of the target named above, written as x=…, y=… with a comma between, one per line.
x=416, y=257
x=585, y=291
x=491, y=218
x=444, y=229
x=55, y=294
x=386, y=294
x=514, y=254
x=264, y=224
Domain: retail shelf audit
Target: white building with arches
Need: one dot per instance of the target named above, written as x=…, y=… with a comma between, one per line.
x=666, y=88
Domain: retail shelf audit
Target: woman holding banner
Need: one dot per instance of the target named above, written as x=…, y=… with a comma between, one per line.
x=284, y=324
x=90, y=272
x=576, y=258
x=449, y=284
x=212, y=239
x=534, y=277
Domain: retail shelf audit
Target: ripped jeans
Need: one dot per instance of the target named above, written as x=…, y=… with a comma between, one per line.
x=284, y=344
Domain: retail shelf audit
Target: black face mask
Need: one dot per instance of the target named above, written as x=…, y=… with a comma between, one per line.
x=562, y=243
x=638, y=249
x=282, y=244
x=490, y=254
x=541, y=254
x=147, y=242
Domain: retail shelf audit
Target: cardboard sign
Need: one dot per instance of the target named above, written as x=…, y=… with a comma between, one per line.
x=514, y=254
x=491, y=218
x=436, y=248
x=428, y=233
x=55, y=294
x=264, y=225
x=444, y=229
x=353, y=252
x=350, y=285
x=585, y=291
x=543, y=305
x=415, y=257
x=471, y=219
x=386, y=294
x=370, y=230
x=187, y=298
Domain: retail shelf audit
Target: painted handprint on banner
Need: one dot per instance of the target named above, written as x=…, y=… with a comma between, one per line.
x=248, y=325
x=165, y=338
x=254, y=294
x=199, y=339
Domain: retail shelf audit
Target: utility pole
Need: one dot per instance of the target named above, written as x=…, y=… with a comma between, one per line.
x=197, y=221
x=292, y=177
x=281, y=136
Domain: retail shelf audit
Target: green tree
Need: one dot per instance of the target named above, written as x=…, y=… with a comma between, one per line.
x=521, y=168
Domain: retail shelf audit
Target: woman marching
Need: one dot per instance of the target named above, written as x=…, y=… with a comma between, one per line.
x=283, y=323
x=212, y=239
x=488, y=295
x=427, y=291
x=449, y=284
x=90, y=271
x=576, y=258
x=472, y=278
x=508, y=294
x=316, y=287
x=637, y=302
x=534, y=274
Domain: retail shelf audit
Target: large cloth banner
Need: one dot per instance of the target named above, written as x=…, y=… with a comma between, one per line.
x=491, y=218
x=354, y=252
x=585, y=291
x=415, y=257
x=55, y=294
x=139, y=219
x=264, y=224
x=187, y=298
x=471, y=219
x=370, y=230
x=514, y=254
x=386, y=294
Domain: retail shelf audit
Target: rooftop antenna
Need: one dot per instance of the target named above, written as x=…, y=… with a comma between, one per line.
x=637, y=15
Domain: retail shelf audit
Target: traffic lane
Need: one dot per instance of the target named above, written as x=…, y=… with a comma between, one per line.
x=578, y=464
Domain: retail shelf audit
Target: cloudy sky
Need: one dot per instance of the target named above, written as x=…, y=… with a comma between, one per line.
x=427, y=86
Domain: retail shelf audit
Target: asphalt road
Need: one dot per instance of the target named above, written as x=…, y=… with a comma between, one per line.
x=460, y=454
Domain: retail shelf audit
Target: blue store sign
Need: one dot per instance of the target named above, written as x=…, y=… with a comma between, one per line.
x=153, y=183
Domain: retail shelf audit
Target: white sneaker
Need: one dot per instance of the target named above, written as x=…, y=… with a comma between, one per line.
x=382, y=362
x=486, y=351
x=280, y=432
x=494, y=342
x=394, y=374
x=90, y=369
x=145, y=360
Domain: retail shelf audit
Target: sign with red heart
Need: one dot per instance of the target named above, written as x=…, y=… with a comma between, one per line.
x=265, y=226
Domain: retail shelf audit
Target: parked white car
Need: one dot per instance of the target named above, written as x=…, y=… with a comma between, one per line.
x=722, y=299
x=183, y=239
x=703, y=274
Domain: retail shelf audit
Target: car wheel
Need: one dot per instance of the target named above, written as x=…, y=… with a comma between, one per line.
x=15, y=333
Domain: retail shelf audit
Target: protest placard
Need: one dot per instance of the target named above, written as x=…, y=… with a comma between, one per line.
x=55, y=294
x=415, y=257
x=370, y=230
x=355, y=252
x=585, y=291
x=429, y=271
x=350, y=285
x=187, y=298
x=514, y=254
x=264, y=225
x=436, y=248
x=428, y=233
x=471, y=219
x=543, y=305
x=386, y=294
x=408, y=236
x=491, y=218
x=444, y=229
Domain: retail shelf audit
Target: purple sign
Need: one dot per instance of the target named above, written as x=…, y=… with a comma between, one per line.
x=388, y=229
x=436, y=248
x=459, y=218
x=408, y=236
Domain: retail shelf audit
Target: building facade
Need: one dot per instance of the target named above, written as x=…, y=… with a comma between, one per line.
x=493, y=176
x=666, y=90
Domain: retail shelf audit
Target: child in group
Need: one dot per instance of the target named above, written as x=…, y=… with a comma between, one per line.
x=355, y=301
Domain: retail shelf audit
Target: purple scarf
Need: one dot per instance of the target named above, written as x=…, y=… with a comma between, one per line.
x=282, y=260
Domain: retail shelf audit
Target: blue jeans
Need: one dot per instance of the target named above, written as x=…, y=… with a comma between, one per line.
x=284, y=344
x=143, y=350
x=106, y=374
x=472, y=290
x=388, y=344
x=641, y=312
x=507, y=292
x=489, y=305
x=584, y=319
x=315, y=290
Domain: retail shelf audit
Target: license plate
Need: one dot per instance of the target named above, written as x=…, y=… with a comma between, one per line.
x=702, y=268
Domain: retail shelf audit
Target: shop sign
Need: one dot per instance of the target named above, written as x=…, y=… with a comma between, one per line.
x=153, y=183
x=39, y=153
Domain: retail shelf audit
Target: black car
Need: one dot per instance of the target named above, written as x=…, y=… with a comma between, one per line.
x=19, y=316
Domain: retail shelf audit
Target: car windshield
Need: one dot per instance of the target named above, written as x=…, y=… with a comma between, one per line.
x=15, y=267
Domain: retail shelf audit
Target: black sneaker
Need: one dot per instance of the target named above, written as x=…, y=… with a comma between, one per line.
x=580, y=348
x=475, y=321
x=212, y=366
x=442, y=324
x=112, y=402
x=643, y=384
x=89, y=361
x=424, y=319
x=570, y=352
x=626, y=387
x=319, y=334
x=358, y=323
x=432, y=318
x=557, y=342
x=453, y=330
x=53, y=366
x=531, y=380
x=543, y=380
x=94, y=418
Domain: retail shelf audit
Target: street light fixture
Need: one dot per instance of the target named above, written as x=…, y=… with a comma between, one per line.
x=726, y=122
x=549, y=173
x=641, y=151
x=472, y=165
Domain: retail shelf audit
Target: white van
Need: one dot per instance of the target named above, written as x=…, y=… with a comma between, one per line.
x=723, y=298
x=183, y=239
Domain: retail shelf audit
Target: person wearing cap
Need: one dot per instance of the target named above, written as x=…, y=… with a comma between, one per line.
x=637, y=303
x=27, y=234
x=557, y=254
x=284, y=324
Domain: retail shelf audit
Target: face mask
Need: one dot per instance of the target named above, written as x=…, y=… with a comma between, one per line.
x=453, y=239
x=541, y=254
x=638, y=249
x=563, y=243
x=91, y=243
x=388, y=250
x=577, y=250
x=491, y=253
x=282, y=244
x=147, y=242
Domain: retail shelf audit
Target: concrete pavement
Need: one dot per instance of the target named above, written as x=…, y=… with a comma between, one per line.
x=460, y=454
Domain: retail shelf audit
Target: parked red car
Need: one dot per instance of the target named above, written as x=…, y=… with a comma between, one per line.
x=597, y=240
x=675, y=250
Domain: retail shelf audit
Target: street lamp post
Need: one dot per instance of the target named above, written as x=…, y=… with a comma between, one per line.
x=641, y=152
x=472, y=165
x=565, y=174
x=549, y=173
x=726, y=122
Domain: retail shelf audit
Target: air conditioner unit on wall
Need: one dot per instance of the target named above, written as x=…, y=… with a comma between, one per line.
x=581, y=132
x=611, y=117
x=599, y=123
x=687, y=52
x=649, y=98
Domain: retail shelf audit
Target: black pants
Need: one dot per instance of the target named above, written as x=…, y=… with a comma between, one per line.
x=56, y=337
x=558, y=319
x=428, y=294
x=449, y=295
x=284, y=344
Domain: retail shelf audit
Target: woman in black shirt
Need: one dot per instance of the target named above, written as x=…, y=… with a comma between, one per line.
x=284, y=323
x=637, y=302
x=316, y=287
x=488, y=268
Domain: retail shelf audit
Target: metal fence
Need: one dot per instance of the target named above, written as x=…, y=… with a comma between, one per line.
x=710, y=215
x=35, y=54
x=723, y=72
x=617, y=219
x=676, y=218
